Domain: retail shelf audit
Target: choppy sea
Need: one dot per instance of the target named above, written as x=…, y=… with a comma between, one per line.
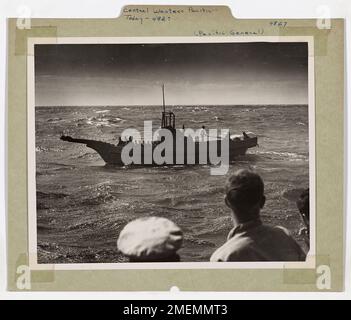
x=82, y=204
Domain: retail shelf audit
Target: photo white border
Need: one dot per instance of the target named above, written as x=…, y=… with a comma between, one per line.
x=310, y=262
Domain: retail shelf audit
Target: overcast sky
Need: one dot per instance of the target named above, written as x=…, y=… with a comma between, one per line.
x=205, y=73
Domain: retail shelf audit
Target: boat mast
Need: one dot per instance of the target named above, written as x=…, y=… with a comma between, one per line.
x=164, y=120
x=163, y=98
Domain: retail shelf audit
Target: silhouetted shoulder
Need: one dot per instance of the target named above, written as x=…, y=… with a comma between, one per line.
x=233, y=250
x=264, y=243
x=282, y=230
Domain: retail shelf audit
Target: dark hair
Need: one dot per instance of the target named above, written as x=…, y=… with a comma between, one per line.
x=303, y=203
x=244, y=189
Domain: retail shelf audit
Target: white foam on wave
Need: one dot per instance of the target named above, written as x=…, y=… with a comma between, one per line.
x=54, y=120
x=102, y=111
x=292, y=156
x=44, y=149
x=106, y=121
x=40, y=149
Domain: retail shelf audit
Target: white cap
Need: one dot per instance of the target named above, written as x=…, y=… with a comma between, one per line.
x=150, y=239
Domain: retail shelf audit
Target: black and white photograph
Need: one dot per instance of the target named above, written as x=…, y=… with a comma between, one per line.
x=173, y=151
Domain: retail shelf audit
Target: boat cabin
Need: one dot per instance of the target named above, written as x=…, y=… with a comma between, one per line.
x=168, y=120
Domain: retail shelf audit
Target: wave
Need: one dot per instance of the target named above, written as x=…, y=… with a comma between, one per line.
x=197, y=121
x=292, y=194
x=102, y=111
x=97, y=200
x=47, y=195
x=105, y=120
x=217, y=118
x=82, y=226
x=100, y=193
x=200, y=108
x=291, y=156
x=40, y=149
x=200, y=242
x=54, y=120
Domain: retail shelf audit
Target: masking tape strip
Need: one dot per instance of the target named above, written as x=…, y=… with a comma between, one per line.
x=320, y=36
x=309, y=276
x=24, y=277
x=22, y=36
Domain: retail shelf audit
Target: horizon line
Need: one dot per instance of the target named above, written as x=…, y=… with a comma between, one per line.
x=176, y=105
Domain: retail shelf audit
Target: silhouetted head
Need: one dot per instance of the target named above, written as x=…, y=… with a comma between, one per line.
x=151, y=239
x=303, y=204
x=245, y=195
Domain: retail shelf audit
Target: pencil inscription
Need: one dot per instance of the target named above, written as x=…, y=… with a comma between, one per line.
x=149, y=14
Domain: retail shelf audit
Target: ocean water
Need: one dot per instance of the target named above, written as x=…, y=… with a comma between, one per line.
x=82, y=204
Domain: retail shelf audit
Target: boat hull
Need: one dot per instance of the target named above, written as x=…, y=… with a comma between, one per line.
x=199, y=152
